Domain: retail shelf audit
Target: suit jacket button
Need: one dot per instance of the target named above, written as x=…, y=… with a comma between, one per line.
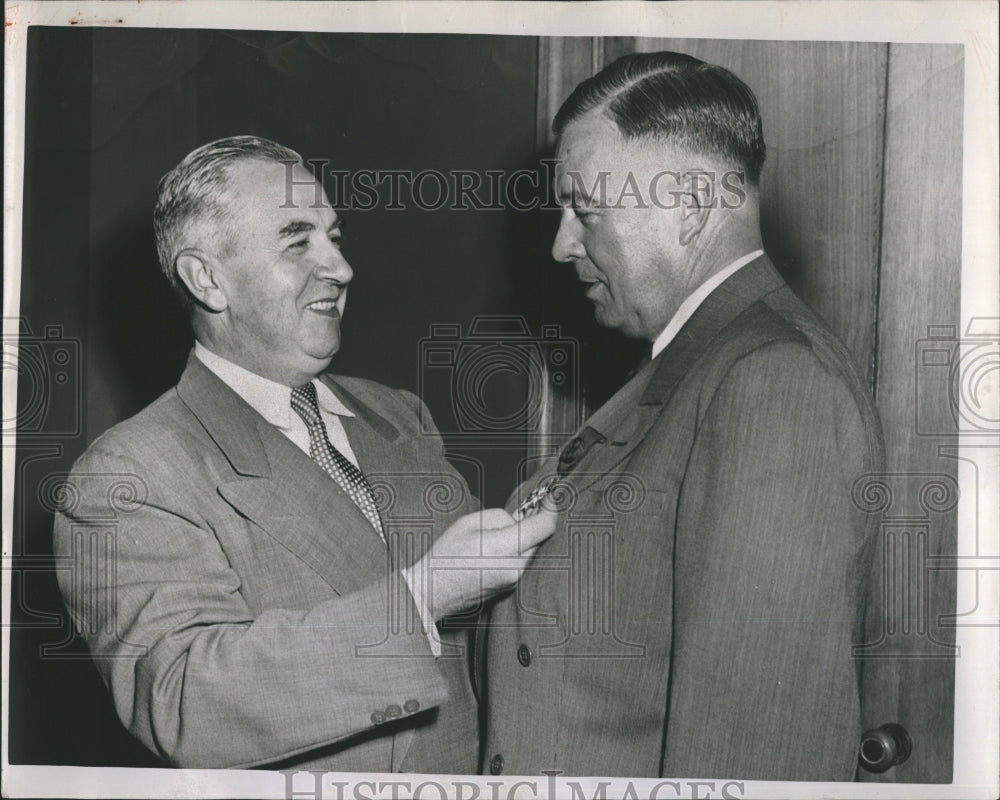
x=393, y=711
x=496, y=764
x=524, y=655
x=411, y=706
x=378, y=717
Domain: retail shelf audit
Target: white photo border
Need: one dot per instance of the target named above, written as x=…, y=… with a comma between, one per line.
x=972, y=24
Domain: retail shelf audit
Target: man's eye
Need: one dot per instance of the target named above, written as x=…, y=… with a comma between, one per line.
x=299, y=246
x=336, y=238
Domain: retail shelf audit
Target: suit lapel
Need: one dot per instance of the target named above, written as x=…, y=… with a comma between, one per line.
x=624, y=420
x=417, y=492
x=725, y=304
x=226, y=417
x=398, y=474
x=623, y=424
x=373, y=438
x=279, y=488
x=310, y=514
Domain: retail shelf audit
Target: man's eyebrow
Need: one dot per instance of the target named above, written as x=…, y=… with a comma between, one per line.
x=575, y=197
x=296, y=227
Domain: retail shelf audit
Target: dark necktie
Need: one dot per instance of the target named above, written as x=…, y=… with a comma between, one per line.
x=335, y=464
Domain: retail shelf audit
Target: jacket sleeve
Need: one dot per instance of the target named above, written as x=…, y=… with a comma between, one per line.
x=770, y=559
x=200, y=678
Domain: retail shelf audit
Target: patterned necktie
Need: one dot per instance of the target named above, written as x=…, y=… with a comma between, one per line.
x=337, y=466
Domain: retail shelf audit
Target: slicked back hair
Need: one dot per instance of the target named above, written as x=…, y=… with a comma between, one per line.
x=194, y=192
x=679, y=99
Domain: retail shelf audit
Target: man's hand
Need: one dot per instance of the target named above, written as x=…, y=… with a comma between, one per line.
x=479, y=555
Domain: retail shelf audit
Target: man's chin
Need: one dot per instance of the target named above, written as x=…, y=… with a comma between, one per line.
x=321, y=356
x=323, y=361
x=606, y=319
x=619, y=326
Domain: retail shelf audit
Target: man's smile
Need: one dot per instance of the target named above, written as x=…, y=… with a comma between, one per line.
x=325, y=306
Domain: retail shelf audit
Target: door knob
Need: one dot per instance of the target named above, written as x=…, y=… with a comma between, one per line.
x=883, y=747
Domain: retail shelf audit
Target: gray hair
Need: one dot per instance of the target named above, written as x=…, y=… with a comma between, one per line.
x=194, y=192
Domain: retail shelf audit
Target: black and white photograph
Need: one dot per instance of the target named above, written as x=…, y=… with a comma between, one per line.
x=501, y=400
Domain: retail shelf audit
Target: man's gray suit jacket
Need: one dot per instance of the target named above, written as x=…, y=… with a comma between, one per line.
x=242, y=610
x=693, y=614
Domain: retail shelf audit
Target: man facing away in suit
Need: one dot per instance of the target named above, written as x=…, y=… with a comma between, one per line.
x=264, y=596
x=693, y=614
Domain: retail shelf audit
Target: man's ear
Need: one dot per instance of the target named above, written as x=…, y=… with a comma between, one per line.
x=697, y=202
x=198, y=271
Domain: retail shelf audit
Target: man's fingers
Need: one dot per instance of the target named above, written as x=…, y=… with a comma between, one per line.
x=528, y=554
x=495, y=518
x=536, y=528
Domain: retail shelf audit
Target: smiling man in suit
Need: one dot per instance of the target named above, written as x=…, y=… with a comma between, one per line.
x=266, y=597
x=694, y=612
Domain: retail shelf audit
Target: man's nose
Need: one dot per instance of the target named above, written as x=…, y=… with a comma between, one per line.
x=334, y=267
x=567, y=245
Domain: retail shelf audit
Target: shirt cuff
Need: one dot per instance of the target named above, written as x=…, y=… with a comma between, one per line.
x=414, y=582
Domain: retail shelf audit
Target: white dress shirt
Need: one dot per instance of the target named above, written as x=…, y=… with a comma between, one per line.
x=696, y=298
x=273, y=401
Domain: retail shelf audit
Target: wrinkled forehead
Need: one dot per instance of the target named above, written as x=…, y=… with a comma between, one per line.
x=267, y=203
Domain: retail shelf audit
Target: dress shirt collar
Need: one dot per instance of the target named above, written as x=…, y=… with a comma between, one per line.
x=273, y=401
x=696, y=298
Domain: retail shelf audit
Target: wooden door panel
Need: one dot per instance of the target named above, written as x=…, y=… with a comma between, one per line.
x=909, y=667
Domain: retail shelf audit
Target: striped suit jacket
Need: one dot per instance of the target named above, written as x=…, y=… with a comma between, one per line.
x=693, y=614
